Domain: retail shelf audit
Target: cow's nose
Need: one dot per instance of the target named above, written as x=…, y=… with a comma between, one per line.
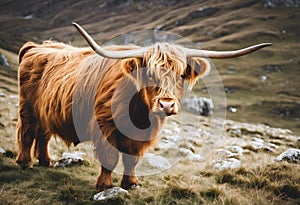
x=166, y=105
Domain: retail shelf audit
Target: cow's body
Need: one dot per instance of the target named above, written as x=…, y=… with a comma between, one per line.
x=51, y=74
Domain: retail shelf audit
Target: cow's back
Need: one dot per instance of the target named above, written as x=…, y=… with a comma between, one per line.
x=47, y=76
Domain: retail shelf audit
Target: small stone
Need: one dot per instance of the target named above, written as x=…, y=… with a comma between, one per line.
x=228, y=163
x=155, y=161
x=272, y=145
x=236, y=149
x=198, y=105
x=264, y=78
x=223, y=153
x=195, y=157
x=110, y=193
x=256, y=145
x=290, y=155
x=2, y=151
x=2, y=94
x=166, y=131
x=258, y=140
x=190, y=155
x=235, y=132
x=172, y=138
x=69, y=158
x=166, y=144
x=185, y=151
x=233, y=109
x=3, y=61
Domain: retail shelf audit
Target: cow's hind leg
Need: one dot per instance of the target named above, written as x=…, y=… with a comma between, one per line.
x=41, y=148
x=25, y=135
x=108, y=156
x=129, y=180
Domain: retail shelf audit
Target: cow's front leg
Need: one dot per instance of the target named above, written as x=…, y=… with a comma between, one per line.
x=104, y=180
x=108, y=156
x=129, y=180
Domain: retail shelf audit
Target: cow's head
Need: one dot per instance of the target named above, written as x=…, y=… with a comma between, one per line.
x=160, y=74
x=159, y=71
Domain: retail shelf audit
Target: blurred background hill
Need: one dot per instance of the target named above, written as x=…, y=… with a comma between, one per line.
x=263, y=87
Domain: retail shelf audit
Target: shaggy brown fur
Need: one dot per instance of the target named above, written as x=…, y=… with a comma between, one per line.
x=78, y=95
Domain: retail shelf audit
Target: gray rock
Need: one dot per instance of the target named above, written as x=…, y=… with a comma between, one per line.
x=290, y=155
x=167, y=132
x=70, y=158
x=166, y=144
x=155, y=161
x=228, y=163
x=259, y=140
x=272, y=145
x=256, y=145
x=282, y=3
x=2, y=94
x=198, y=105
x=190, y=155
x=172, y=138
x=3, y=61
x=14, y=97
x=223, y=153
x=236, y=150
x=2, y=151
x=110, y=193
x=230, y=152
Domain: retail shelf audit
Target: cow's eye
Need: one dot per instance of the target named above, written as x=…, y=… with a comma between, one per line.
x=183, y=76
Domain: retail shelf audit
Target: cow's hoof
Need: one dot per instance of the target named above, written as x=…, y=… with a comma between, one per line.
x=103, y=187
x=44, y=163
x=23, y=164
x=129, y=183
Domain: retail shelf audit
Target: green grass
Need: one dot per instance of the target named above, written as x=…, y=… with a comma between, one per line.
x=274, y=183
x=281, y=181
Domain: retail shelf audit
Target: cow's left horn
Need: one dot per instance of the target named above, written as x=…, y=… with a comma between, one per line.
x=223, y=54
x=107, y=53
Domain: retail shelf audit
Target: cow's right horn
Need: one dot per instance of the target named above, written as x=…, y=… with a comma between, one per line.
x=107, y=53
x=224, y=54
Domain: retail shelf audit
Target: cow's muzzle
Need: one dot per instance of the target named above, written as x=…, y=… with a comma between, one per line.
x=168, y=106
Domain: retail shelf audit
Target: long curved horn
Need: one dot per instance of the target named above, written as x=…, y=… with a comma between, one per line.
x=189, y=51
x=223, y=54
x=107, y=53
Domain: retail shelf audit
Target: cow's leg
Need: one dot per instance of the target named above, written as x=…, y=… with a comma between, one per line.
x=41, y=148
x=25, y=135
x=129, y=180
x=108, y=156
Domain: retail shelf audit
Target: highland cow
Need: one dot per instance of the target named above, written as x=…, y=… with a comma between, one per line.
x=117, y=96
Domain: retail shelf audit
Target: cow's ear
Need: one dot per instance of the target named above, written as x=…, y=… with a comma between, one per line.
x=130, y=65
x=195, y=69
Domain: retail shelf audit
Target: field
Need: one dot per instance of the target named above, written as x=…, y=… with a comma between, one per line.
x=263, y=89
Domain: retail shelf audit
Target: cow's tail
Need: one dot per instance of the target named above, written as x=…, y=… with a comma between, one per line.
x=24, y=49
